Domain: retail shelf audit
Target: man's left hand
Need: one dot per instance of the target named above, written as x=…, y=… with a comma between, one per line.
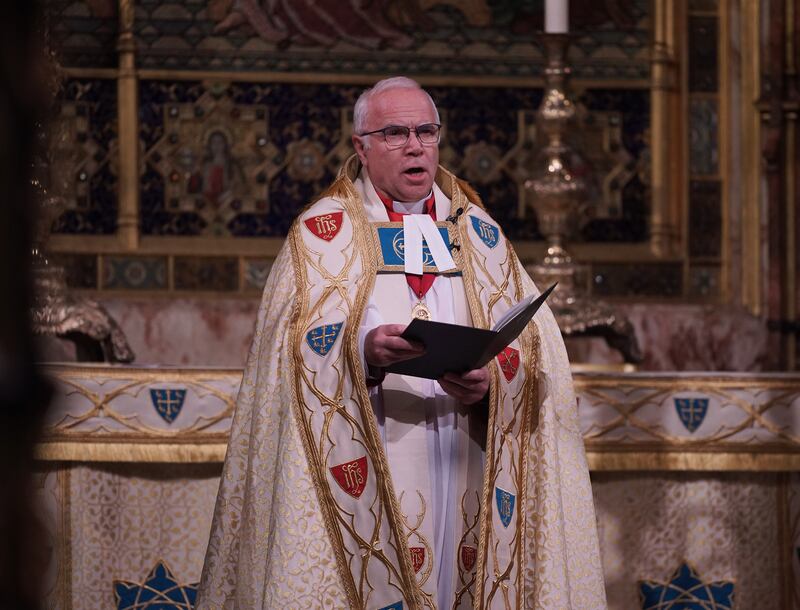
x=468, y=388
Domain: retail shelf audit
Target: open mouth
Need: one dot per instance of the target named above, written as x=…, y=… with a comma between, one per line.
x=414, y=170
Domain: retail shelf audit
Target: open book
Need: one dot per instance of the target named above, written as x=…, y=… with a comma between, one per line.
x=455, y=348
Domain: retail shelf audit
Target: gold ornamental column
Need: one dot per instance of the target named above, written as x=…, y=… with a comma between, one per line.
x=662, y=224
x=128, y=103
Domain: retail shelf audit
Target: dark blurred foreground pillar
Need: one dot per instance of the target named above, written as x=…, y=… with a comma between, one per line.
x=23, y=393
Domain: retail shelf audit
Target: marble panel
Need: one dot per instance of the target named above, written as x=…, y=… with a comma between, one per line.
x=217, y=331
x=213, y=331
x=685, y=338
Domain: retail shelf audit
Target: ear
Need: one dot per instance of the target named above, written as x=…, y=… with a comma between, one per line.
x=361, y=150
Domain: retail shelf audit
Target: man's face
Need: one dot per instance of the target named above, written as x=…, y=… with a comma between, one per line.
x=405, y=173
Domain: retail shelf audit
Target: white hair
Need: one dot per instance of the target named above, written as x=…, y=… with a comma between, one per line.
x=361, y=109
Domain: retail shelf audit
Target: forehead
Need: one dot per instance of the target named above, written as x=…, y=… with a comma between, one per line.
x=409, y=107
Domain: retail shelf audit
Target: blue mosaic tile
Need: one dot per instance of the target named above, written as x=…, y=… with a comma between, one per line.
x=135, y=272
x=705, y=218
x=89, y=113
x=215, y=274
x=256, y=272
x=703, y=54
x=83, y=32
x=703, y=143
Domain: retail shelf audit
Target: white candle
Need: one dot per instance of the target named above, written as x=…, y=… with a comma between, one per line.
x=556, y=16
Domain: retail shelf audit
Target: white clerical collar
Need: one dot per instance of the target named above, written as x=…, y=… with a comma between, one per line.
x=411, y=207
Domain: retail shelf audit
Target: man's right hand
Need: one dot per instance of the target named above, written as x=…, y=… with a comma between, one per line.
x=383, y=346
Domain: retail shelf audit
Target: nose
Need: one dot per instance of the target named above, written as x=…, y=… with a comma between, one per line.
x=413, y=145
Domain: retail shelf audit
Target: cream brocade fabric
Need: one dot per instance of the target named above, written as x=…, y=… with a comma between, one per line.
x=270, y=546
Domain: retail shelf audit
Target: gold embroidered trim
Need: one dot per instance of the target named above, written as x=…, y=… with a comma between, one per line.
x=403, y=577
x=315, y=468
x=121, y=451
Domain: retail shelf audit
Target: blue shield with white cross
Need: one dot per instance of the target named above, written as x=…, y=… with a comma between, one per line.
x=505, y=505
x=322, y=338
x=488, y=233
x=692, y=411
x=168, y=403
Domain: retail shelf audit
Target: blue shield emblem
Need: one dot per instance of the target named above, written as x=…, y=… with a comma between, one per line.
x=394, y=606
x=488, y=233
x=505, y=505
x=322, y=338
x=168, y=403
x=692, y=411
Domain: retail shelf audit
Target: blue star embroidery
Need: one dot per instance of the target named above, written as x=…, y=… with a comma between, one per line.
x=686, y=592
x=159, y=591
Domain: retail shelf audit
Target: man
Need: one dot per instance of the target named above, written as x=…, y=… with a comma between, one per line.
x=347, y=486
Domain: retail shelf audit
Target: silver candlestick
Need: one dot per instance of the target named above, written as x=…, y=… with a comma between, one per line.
x=559, y=197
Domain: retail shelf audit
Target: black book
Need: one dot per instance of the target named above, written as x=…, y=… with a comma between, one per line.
x=458, y=349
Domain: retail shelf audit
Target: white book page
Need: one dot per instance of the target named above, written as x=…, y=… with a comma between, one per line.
x=513, y=311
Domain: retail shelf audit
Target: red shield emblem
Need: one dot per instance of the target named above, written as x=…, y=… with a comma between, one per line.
x=417, y=557
x=351, y=476
x=468, y=556
x=325, y=226
x=509, y=362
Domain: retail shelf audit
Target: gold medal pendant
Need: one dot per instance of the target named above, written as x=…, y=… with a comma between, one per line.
x=421, y=311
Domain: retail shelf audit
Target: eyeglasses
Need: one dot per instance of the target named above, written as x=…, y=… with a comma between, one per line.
x=396, y=136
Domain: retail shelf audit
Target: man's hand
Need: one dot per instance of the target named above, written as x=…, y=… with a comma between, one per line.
x=468, y=388
x=384, y=346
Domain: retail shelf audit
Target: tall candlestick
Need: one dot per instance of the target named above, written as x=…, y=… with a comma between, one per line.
x=556, y=16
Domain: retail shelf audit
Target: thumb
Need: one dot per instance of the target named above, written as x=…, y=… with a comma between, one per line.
x=394, y=330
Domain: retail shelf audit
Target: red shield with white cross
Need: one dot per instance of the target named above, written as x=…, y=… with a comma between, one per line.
x=509, y=362
x=417, y=557
x=351, y=476
x=468, y=556
x=325, y=226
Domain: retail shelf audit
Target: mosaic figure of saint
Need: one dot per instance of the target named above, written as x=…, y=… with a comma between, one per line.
x=220, y=177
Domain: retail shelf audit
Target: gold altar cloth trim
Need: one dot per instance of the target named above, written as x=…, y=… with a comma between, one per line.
x=599, y=460
x=121, y=451
x=611, y=461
